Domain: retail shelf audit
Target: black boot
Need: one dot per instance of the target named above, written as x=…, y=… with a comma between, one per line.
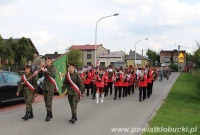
x=31, y=114
x=48, y=116
x=26, y=116
x=73, y=119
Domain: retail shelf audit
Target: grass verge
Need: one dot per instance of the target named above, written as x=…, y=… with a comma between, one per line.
x=180, y=112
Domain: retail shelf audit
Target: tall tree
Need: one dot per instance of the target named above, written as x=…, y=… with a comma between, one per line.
x=153, y=56
x=22, y=51
x=75, y=56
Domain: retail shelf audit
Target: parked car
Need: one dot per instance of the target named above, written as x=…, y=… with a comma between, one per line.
x=9, y=82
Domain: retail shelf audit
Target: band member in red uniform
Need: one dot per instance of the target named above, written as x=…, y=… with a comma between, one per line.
x=110, y=79
x=95, y=72
x=92, y=70
x=149, y=81
x=118, y=77
x=87, y=80
x=142, y=85
x=133, y=80
x=125, y=83
x=129, y=82
x=99, y=79
x=105, y=83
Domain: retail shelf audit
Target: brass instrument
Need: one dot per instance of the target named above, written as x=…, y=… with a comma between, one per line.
x=141, y=77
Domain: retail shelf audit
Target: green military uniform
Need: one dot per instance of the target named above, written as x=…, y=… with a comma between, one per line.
x=48, y=90
x=73, y=96
x=28, y=94
x=48, y=87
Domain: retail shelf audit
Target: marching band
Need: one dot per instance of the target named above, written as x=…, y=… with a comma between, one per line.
x=101, y=81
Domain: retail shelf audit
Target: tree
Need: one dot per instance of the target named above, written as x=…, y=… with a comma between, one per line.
x=23, y=52
x=74, y=56
x=153, y=56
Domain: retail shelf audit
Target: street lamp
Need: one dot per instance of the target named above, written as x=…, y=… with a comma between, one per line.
x=116, y=14
x=135, y=48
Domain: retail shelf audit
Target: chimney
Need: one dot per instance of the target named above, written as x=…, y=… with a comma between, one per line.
x=56, y=53
x=108, y=51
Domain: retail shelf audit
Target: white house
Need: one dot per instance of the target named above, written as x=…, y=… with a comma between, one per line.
x=108, y=58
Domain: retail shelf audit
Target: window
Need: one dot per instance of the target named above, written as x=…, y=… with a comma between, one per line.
x=176, y=60
x=11, y=77
x=89, y=56
x=89, y=63
x=102, y=64
x=89, y=50
x=1, y=79
x=167, y=59
x=111, y=63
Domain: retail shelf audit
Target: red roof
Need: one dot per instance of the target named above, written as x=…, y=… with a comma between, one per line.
x=84, y=47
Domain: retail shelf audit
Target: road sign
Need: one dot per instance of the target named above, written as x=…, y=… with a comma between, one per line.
x=181, y=58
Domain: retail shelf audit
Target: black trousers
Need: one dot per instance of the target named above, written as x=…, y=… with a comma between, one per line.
x=125, y=89
x=118, y=88
x=92, y=87
x=110, y=85
x=142, y=92
x=129, y=90
x=105, y=91
x=87, y=86
x=133, y=88
x=94, y=91
x=149, y=89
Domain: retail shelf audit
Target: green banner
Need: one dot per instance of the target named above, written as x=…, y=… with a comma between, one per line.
x=61, y=67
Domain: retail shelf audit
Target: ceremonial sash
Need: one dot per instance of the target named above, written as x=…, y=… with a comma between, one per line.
x=52, y=81
x=27, y=83
x=75, y=87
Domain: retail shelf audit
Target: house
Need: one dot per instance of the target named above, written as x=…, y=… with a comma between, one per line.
x=109, y=58
x=52, y=56
x=88, y=52
x=169, y=56
x=140, y=59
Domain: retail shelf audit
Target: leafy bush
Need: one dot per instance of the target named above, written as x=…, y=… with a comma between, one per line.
x=196, y=74
x=174, y=67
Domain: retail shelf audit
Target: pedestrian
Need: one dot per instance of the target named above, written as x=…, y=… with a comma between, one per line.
x=48, y=85
x=75, y=90
x=161, y=73
x=29, y=88
x=33, y=67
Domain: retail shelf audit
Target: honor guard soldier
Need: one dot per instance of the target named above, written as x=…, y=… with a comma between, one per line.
x=48, y=85
x=29, y=88
x=75, y=90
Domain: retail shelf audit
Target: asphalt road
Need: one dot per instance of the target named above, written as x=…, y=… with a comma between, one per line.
x=112, y=117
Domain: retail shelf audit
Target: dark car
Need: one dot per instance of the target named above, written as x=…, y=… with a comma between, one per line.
x=9, y=82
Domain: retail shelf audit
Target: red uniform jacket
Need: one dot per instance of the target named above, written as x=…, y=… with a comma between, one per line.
x=149, y=77
x=142, y=83
x=99, y=81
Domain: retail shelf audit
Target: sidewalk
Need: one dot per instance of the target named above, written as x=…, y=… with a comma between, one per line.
x=93, y=119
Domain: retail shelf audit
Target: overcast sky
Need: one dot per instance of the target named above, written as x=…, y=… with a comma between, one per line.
x=54, y=25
